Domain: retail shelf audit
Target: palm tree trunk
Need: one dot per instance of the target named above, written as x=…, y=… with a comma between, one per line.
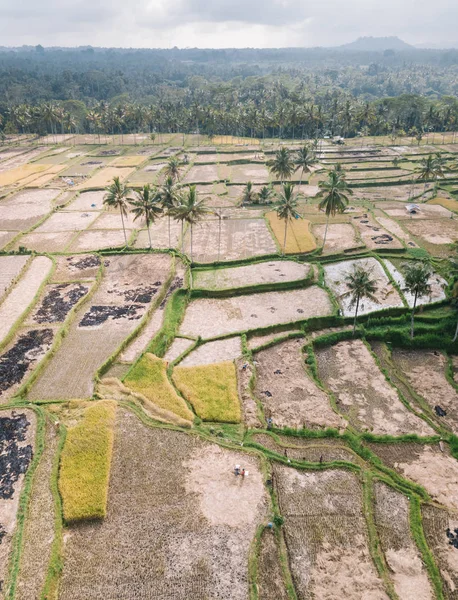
x=456, y=333
x=149, y=236
x=191, y=244
x=356, y=315
x=325, y=233
x=413, y=315
x=123, y=227
x=284, y=240
x=170, y=239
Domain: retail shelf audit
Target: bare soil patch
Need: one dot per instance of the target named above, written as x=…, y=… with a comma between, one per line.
x=425, y=371
x=255, y=173
x=373, y=235
x=404, y=560
x=213, y=317
x=213, y=352
x=67, y=221
x=277, y=271
x=434, y=231
x=24, y=209
x=23, y=293
x=249, y=407
x=17, y=442
x=112, y=220
x=10, y=268
x=393, y=227
x=45, y=242
x=179, y=522
x=259, y=340
x=326, y=535
x=437, y=283
x=340, y=237
x=290, y=396
x=74, y=268
x=88, y=201
x=363, y=394
x=199, y=173
x=386, y=293
x=159, y=232
x=97, y=240
x=271, y=585
x=6, y=237
x=179, y=345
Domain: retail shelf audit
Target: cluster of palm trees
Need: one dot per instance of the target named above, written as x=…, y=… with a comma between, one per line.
x=433, y=167
x=152, y=202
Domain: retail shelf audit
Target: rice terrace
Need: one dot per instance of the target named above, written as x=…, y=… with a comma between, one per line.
x=217, y=380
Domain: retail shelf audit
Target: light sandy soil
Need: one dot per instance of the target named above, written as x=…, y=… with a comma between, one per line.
x=393, y=227
x=39, y=526
x=66, y=221
x=96, y=240
x=289, y=395
x=6, y=237
x=426, y=211
x=214, y=352
x=179, y=345
x=213, y=317
x=373, y=235
x=425, y=371
x=24, y=209
x=45, y=242
x=22, y=294
x=250, y=172
x=259, y=340
x=10, y=268
x=391, y=192
x=85, y=201
x=249, y=407
x=112, y=220
x=434, y=231
x=179, y=522
x=326, y=535
x=75, y=268
x=159, y=235
x=363, y=394
x=436, y=521
x=20, y=159
x=11, y=448
x=266, y=272
x=392, y=519
x=202, y=173
x=340, y=237
x=269, y=574
x=240, y=238
x=386, y=293
x=437, y=283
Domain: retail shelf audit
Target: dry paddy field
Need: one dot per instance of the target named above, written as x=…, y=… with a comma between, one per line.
x=287, y=392
x=373, y=235
x=326, y=535
x=276, y=271
x=179, y=524
x=340, y=237
x=386, y=293
x=130, y=284
x=10, y=269
x=213, y=352
x=425, y=371
x=214, y=317
x=434, y=231
x=26, y=208
x=363, y=394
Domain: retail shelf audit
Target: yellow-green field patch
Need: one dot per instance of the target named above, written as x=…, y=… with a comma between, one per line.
x=298, y=238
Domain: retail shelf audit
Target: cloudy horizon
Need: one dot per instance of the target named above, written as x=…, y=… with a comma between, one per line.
x=224, y=23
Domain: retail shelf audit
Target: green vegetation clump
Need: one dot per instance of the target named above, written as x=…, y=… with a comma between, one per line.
x=85, y=464
x=212, y=390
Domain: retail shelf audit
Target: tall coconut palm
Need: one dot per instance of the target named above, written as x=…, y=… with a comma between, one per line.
x=191, y=210
x=172, y=169
x=429, y=168
x=334, y=192
x=117, y=196
x=304, y=160
x=170, y=198
x=417, y=276
x=282, y=165
x=147, y=204
x=249, y=195
x=360, y=285
x=286, y=209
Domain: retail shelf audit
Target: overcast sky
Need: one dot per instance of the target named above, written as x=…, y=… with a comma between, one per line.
x=224, y=23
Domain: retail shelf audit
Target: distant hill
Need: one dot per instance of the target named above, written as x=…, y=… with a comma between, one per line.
x=377, y=44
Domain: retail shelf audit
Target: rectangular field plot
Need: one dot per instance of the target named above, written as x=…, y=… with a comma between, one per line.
x=239, y=238
x=24, y=209
x=437, y=283
x=45, y=242
x=425, y=371
x=255, y=173
x=202, y=173
x=298, y=235
x=326, y=535
x=436, y=232
x=159, y=232
x=339, y=237
x=66, y=221
x=10, y=268
x=373, y=235
x=148, y=174
x=130, y=284
x=392, y=519
x=290, y=396
x=363, y=394
x=393, y=227
x=278, y=271
x=104, y=177
x=87, y=201
x=165, y=536
x=98, y=239
x=74, y=268
x=386, y=294
x=213, y=317
x=436, y=521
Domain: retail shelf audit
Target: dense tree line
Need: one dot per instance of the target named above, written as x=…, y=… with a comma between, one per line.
x=300, y=93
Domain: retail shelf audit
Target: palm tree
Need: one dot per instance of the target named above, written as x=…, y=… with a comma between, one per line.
x=172, y=168
x=282, y=166
x=146, y=204
x=360, y=285
x=304, y=160
x=249, y=194
x=286, y=209
x=169, y=198
x=334, y=194
x=431, y=167
x=117, y=196
x=191, y=210
x=417, y=276
x=265, y=194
